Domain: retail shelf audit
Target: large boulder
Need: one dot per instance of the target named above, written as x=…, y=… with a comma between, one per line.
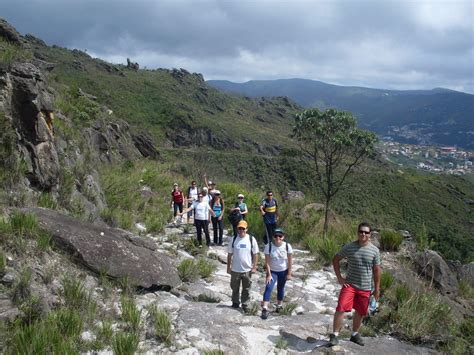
x=432, y=266
x=466, y=272
x=9, y=33
x=114, y=251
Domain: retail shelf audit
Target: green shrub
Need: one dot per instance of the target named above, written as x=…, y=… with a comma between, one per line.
x=21, y=288
x=76, y=296
x=130, y=314
x=125, y=343
x=287, y=309
x=161, y=323
x=402, y=293
x=465, y=289
x=31, y=309
x=423, y=241
x=104, y=332
x=187, y=270
x=281, y=343
x=203, y=297
x=390, y=240
x=43, y=241
x=68, y=321
x=386, y=280
x=205, y=267
x=24, y=224
x=47, y=200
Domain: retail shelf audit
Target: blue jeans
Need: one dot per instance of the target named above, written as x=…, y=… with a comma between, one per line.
x=278, y=277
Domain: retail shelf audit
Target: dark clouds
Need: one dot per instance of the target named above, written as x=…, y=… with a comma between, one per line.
x=388, y=44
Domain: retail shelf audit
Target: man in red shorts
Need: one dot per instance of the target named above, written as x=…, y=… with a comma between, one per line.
x=363, y=259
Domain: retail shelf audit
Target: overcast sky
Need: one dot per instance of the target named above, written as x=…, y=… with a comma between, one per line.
x=402, y=44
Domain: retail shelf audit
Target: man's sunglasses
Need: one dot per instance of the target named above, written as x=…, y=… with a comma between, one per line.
x=278, y=236
x=364, y=232
x=241, y=228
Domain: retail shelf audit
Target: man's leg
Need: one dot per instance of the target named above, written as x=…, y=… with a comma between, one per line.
x=235, y=286
x=246, y=284
x=356, y=322
x=338, y=322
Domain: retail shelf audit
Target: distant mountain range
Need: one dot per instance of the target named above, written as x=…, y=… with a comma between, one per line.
x=438, y=116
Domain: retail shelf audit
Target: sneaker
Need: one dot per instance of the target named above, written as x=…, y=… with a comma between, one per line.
x=357, y=339
x=235, y=305
x=264, y=313
x=333, y=340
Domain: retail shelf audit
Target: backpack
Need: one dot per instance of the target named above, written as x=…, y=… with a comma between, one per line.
x=234, y=218
x=252, y=238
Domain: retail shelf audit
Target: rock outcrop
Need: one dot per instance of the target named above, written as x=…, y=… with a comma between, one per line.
x=115, y=252
x=28, y=107
x=432, y=266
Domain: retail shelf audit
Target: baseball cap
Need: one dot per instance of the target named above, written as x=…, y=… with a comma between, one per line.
x=278, y=231
x=175, y=184
x=240, y=195
x=217, y=192
x=242, y=224
x=210, y=182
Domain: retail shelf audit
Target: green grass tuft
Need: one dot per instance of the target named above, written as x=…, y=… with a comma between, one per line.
x=390, y=240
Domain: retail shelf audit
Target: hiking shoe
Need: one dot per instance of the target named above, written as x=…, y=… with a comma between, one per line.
x=333, y=340
x=264, y=313
x=235, y=305
x=357, y=339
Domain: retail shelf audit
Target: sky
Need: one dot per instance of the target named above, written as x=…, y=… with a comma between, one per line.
x=391, y=44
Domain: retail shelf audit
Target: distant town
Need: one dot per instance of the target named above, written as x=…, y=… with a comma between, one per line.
x=442, y=159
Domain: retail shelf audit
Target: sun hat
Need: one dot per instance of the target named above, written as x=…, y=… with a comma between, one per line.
x=241, y=224
x=240, y=195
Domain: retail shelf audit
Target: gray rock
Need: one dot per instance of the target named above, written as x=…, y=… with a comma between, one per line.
x=117, y=252
x=8, y=312
x=8, y=279
x=431, y=265
x=293, y=195
x=9, y=33
x=466, y=272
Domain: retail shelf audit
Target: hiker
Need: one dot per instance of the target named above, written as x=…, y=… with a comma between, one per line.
x=211, y=185
x=191, y=196
x=217, y=205
x=205, y=194
x=269, y=210
x=201, y=218
x=363, y=259
x=177, y=199
x=242, y=261
x=278, y=265
x=238, y=213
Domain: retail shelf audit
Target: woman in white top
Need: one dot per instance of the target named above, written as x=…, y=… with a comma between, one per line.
x=201, y=217
x=278, y=264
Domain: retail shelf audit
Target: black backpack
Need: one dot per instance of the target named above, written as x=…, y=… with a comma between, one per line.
x=235, y=217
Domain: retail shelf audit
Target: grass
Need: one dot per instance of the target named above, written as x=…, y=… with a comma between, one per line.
x=130, y=314
x=21, y=288
x=77, y=297
x=3, y=262
x=187, y=270
x=465, y=289
x=281, y=343
x=386, y=280
x=161, y=323
x=203, y=297
x=205, y=267
x=390, y=240
x=124, y=343
x=47, y=200
x=288, y=309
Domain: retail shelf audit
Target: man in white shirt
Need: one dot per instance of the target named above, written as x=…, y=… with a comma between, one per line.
x=242, y=261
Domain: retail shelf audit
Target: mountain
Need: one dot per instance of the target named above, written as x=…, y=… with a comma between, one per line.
x=438, y=116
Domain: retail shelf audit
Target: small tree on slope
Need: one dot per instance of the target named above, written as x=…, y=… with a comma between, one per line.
x=335, y=145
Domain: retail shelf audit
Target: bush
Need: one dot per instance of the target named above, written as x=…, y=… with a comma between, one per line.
x=21, y=288
x=130, y=314
x=187, y=270
x=76, y=296
x=390, y=240
x=205, y=267
x=47, y=200
x=125, y=343
x=161, y=323
x=386, y=280
x=24, y=224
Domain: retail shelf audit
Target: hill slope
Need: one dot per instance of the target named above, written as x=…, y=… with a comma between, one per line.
x=437, y=116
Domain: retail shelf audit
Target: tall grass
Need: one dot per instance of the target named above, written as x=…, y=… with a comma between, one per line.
x=125, y=343
x=187, y=270
x=130, y=314
x=390, y=240
x=161, y=323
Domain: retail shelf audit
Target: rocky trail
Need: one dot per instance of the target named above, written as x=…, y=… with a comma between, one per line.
x=203, y=320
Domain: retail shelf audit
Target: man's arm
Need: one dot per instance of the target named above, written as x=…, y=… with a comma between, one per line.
x=377, y=272
x=229, y=262
x=337, y=270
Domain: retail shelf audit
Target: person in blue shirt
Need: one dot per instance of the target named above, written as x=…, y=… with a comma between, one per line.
x=217, y=205
x=269, y=210
x=240, y=210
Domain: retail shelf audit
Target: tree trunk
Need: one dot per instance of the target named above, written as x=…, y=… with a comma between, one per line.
x=326, y=217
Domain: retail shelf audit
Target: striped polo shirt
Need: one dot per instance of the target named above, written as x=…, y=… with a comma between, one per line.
x=361, y=260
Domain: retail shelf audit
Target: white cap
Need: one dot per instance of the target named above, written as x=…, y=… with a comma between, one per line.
x=217, y=192
x=204, y=189
x=210, y=182
x=240, y=195
x=175, y=184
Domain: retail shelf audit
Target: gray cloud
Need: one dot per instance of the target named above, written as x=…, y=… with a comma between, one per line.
x=388, y=44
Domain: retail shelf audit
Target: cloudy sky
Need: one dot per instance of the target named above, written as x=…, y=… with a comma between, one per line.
x=393, y=44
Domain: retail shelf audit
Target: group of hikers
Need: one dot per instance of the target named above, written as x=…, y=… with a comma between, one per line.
x=362, y=281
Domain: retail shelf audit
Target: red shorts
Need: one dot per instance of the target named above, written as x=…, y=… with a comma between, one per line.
x=353, y=298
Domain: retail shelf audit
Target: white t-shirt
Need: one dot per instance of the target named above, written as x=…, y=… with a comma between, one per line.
x=201, y=210
x=242, y=253
x=193, y=194
x=279, y=256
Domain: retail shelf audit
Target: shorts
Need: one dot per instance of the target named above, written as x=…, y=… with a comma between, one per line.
x=353, y=298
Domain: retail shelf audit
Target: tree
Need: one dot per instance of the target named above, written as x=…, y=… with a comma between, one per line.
x=335, y=146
